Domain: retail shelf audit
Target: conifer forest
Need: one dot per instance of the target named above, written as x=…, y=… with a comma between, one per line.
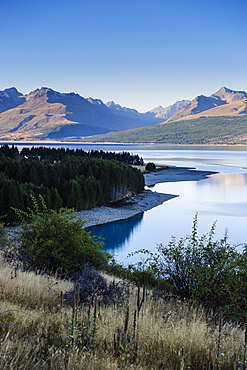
x=64, y=178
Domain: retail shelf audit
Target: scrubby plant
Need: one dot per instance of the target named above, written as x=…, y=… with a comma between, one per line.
x=89, y=284
x=58, y=239
x=206, y=271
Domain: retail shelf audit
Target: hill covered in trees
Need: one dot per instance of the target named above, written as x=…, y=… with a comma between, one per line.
x=203, y=130
x=64, y=178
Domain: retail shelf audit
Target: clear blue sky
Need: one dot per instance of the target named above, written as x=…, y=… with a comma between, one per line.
x=139, y=53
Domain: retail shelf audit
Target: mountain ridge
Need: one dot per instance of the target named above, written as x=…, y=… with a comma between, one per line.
x=48, y=114
x=200, y=105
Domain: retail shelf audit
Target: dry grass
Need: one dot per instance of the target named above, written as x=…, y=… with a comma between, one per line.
x=139, y=167
x=143, y=168
x=38, y=331
x=30, y=290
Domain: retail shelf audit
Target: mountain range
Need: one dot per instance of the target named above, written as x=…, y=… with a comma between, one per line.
x=45, y=114
x=220, y=118
x=48, y=114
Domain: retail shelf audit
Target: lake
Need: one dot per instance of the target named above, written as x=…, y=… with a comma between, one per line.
x=222, y=197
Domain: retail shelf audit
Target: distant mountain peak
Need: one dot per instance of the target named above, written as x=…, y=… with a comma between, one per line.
x=217, y=104
x=95, y=101
x=228, y=96
x=167, y=112
x=112, y=104
x=38, y=92
x=10, y=98
x=10, y=92
x=224, y=89
x=159, y=107
x=117, y=108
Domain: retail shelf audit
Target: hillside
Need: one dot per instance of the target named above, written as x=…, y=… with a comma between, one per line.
x=48, y=114
x=40, y=330
x=205, y=130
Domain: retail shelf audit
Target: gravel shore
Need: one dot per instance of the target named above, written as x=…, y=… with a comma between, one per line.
x=173, y=174
x=144, y=201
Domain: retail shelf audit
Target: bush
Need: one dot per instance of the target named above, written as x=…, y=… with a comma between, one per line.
x=206, y=271
x=89, y=284
x=58, y=239
x=150, y=167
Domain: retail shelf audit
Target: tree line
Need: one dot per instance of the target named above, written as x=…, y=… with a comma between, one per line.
x=56, y=154
x=79, y=182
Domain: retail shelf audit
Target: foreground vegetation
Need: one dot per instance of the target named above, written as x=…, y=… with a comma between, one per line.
x=182, y=308
x=40, y=331
x=204, y=130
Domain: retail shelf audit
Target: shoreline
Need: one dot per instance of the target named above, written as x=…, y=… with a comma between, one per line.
x=57, y=142
x=142, y=202
x=145, y=200
x=174, y=174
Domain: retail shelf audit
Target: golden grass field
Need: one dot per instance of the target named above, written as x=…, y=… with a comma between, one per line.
x=38, y=331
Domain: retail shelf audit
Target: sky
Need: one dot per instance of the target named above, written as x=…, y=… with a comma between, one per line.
x=138, y=53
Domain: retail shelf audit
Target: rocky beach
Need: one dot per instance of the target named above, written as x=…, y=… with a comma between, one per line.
x=144, y=201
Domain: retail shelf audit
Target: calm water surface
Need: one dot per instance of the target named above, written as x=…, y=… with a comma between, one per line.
x=221, y=198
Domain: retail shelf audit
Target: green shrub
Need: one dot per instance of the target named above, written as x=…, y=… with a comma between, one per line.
x=206, y=271
x=150, y=167
x=58, y=239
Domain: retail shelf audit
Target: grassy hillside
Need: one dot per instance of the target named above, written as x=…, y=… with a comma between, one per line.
x=39, y=331
x=205, y=130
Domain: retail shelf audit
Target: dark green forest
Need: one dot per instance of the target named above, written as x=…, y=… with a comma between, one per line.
x=64, y=178
x=56, y=154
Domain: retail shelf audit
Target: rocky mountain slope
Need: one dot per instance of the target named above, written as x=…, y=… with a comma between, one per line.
x=48, y=114
x=167, y=112
x=224, y=102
